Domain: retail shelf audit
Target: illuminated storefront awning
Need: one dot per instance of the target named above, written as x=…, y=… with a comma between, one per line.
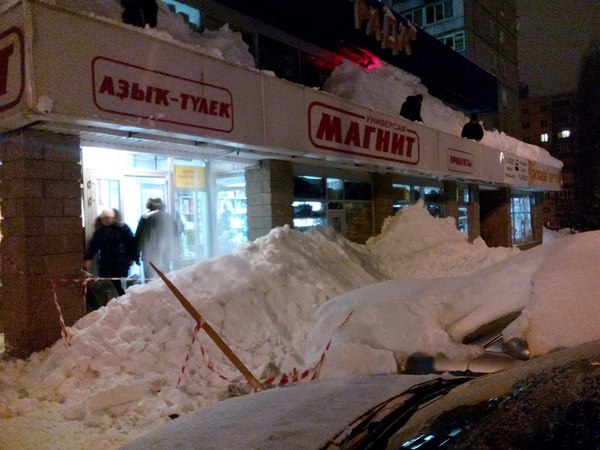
x=131, y=81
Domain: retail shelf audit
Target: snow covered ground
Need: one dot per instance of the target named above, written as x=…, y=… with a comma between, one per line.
x=276, y=302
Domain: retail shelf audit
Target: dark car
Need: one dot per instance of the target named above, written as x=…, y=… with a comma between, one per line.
x=552, y=401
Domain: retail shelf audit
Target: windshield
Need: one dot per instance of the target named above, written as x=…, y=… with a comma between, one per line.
x=553, y=408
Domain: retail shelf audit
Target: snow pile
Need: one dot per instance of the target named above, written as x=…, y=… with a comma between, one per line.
x=550, y=235
x=222, y=43
x=555, y=286
x=279, y=300
x=385, y=88
x=563, y=307
x=417, y=247
x=125, y=360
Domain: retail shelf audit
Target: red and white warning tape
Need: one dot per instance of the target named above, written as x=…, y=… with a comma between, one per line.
x=292, y=377
x=312, y=373
x=53, y=282
x=63, y=328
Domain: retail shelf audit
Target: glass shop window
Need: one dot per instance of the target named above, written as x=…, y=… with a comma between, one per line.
x=402, y=196
x=335, y=189
x=355, y=190
x=306, y=187
x=309, y=204
x=521, y=211
x=433, y=197
x=308, y=214
x=463, y=199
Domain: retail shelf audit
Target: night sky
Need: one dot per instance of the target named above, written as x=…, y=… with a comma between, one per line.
x=553, y=37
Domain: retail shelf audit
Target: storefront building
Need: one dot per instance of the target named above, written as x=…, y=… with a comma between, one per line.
x=234, y=152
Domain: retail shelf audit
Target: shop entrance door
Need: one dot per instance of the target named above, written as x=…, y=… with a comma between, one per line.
x=126, y=192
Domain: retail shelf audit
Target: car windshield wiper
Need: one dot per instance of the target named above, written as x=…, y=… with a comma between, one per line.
x=374, y=427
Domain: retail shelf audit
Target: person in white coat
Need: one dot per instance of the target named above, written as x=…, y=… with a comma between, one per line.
x=157, y=237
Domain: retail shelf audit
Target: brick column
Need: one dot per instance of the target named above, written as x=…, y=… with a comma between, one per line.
x=269, y=194
x=42, y=247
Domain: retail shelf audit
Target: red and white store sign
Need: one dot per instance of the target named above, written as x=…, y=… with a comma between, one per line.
x=339, y=130
x=461, y=161
x=126, y=89
x=12, y=68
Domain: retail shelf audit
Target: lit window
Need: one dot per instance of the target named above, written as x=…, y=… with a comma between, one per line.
x=564, y=134
x=544, y=137
x=521, y=218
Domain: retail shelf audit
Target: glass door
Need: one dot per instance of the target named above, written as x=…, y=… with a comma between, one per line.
x=127, y=193
x=191, y=211
x=139, y=188
x=231, y=226
x=101, y=190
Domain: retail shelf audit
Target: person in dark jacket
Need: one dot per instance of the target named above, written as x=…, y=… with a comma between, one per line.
x=473, y=129
x=157, y=237
x=113, y=245
x=411, y=108
x=140, y=12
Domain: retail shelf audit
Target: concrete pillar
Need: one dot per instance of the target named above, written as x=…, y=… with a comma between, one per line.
x=269, y=194
x=42, y=247
x=383, y=199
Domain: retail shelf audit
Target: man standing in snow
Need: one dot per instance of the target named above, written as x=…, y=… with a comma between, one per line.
x=157, y=238
x=473, y=129
x=140, y=12
x=411, y=108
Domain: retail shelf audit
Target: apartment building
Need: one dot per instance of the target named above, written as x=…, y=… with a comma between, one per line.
x=483, y=31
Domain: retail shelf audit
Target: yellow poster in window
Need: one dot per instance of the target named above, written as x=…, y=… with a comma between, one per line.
x=189, y=177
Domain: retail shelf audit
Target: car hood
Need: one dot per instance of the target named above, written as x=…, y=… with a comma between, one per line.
x=322, y=413
x=304, y=416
